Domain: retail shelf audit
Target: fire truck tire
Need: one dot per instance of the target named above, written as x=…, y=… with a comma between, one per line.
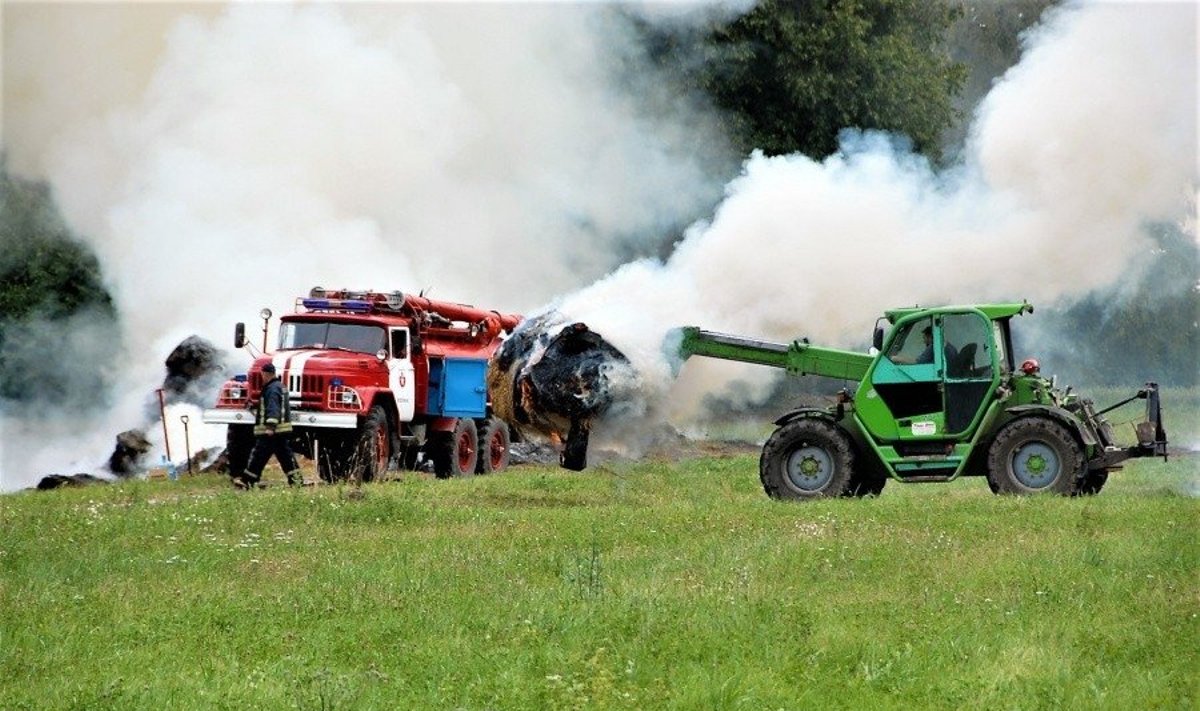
x=408, y=457
x=372, y=450
x=806, y=458
x=493, y=446
x=239, y=440
x=455, y=453
x=1034, y=455
x=333, y=456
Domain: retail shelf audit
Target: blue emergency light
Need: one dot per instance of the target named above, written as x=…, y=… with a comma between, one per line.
x=337, y=304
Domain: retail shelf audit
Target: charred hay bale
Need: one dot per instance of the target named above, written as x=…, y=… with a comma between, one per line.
x=58, y=481
x=193, y=360
x=126, y=459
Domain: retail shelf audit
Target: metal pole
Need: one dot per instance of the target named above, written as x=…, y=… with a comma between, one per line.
x=187, y=441
x=162, y=412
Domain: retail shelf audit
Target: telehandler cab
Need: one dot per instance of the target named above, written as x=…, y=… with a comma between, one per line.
x=940, y=398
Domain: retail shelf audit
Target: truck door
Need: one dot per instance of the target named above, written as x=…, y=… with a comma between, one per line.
x=907, y=379
x=400, y=373
x=969, y=368
x=933, y=378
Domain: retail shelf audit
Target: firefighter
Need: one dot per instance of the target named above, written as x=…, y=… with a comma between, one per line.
x=272, y=424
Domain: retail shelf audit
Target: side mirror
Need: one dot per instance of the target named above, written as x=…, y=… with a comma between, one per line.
x=239, y=335
x=877, y=339
x=381, y=355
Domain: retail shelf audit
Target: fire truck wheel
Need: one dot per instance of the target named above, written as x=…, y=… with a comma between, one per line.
x=332, y=456
x=408, y=457
x=1034, y=455
x=806, y=459
x=493, y=446
x=373, y=450
x=455, y=453
x=239, y=440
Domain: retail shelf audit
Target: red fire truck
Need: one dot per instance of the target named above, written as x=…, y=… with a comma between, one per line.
x=373, y=376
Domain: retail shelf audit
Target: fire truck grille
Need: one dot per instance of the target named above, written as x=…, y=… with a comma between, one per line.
x=307, y=390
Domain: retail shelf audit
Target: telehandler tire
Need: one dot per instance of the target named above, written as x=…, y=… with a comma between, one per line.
x=1034, y=455
x=1092, y=483
x=806, y=458
x=373, y=448
x=455, y=453
x=865, y=481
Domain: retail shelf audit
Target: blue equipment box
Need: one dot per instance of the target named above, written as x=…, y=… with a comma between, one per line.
x=457, y=387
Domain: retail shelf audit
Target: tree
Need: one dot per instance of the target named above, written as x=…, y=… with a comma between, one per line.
x=791, y=75
x=986, y=39
x=56, y=318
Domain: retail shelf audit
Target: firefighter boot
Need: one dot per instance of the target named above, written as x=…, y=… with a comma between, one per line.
x=295, y=478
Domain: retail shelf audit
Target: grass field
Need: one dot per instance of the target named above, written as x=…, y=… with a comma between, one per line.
x=638, y=585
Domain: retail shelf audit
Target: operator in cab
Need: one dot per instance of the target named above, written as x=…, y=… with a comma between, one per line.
x=926, y=355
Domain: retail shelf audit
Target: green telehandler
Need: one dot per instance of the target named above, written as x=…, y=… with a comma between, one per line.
x=939, y=398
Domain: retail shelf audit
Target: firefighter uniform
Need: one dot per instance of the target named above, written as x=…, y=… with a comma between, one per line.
x=272, y=425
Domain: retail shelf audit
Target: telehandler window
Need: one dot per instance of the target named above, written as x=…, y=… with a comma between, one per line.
x=910, y=343
x=969, y=335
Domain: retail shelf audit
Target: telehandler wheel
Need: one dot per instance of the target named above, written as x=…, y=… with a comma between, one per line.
x=1033, y=455
x=373, y=449
x=455, y=453
x=239, y=440
x=865, y=483
x=1092, y=483
x=493, y=446
x=806, y=459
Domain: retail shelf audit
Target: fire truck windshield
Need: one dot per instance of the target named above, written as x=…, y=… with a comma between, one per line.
x=335, y=336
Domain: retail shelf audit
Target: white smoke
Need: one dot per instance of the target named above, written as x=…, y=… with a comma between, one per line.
x=221, y=158
x=1082, y=144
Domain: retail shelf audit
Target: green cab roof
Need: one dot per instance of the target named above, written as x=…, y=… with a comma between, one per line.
x=992, y=311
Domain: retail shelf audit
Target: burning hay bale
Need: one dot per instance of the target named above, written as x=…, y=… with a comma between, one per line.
x=193, y=370
x=554, y=377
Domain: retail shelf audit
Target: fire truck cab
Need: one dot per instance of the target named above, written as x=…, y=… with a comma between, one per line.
x=373, y=377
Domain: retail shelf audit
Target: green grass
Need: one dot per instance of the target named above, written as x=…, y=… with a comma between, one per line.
x=651, y=585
